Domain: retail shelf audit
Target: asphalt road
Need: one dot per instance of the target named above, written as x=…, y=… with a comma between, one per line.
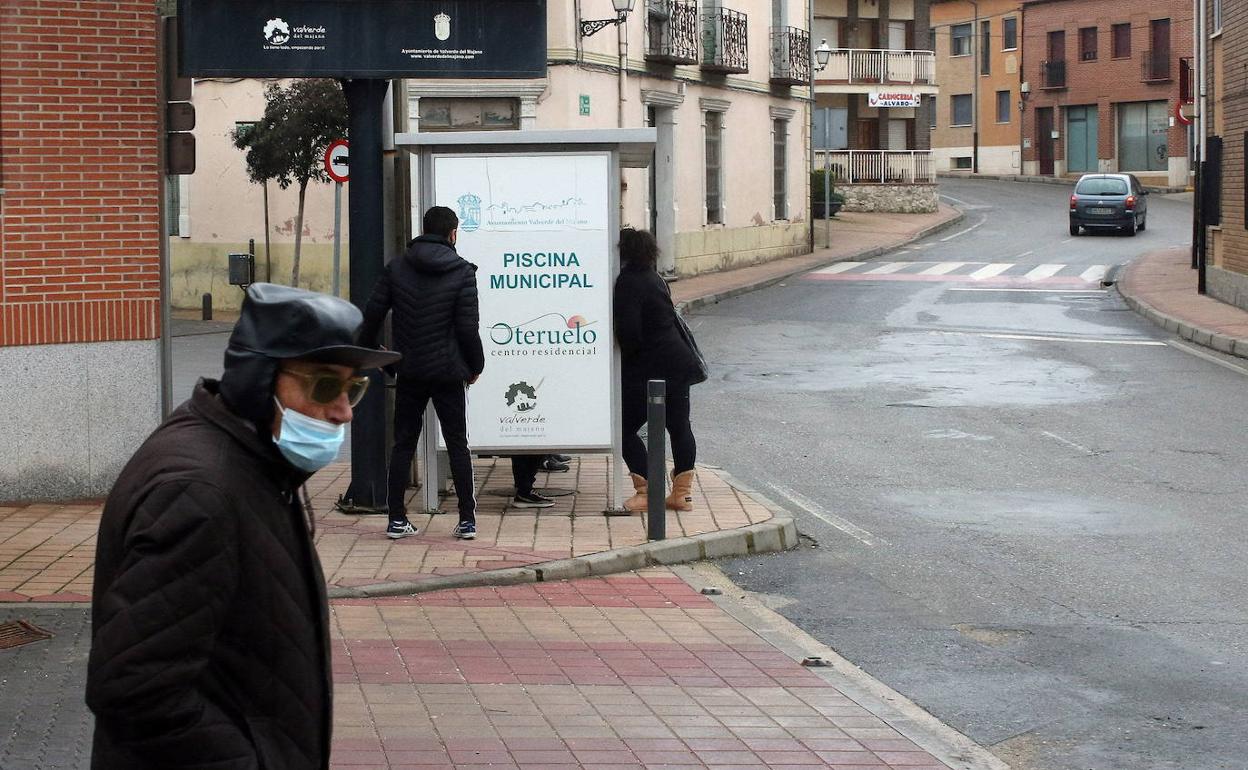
x=1026, y=502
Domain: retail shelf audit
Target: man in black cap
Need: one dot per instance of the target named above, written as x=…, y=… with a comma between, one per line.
x=433, y=293
x=210, y=630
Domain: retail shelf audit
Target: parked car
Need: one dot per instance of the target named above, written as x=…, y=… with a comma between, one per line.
x=1109, y=201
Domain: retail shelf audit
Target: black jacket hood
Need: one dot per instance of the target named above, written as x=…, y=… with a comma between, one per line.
x=434, y=254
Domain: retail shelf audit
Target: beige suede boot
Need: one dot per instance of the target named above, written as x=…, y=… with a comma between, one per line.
x=637, y=503
x=681, y=498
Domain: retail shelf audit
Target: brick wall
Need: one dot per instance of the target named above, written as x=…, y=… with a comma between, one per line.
x=79, y=229
x=1107, y=81
x=1228, y=113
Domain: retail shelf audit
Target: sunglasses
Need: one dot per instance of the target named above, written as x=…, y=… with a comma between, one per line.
x=326, y=388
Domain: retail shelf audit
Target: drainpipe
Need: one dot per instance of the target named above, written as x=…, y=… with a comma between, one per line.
x=975, y=45
x=1202, y=254
x=810, y=121
x=622, y=34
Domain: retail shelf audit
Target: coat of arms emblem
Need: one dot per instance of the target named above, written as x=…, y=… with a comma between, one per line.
x=442, y=26
x=469, y=212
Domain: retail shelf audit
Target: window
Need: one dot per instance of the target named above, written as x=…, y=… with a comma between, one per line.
x=714, y=175
x=961, y=108
x=438, y=114
x=1009, y=34
x=962, y=162
x=960, y=35
x=779, y=174
x=931, y=109
x=1101, y=185
x=1087, y=44
x=985, y=47
x=1217, y=16
x=1122, y=41
x=1003, y=106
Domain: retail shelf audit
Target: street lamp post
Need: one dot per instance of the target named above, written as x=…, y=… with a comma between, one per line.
x=823, y=54
x=592, y=26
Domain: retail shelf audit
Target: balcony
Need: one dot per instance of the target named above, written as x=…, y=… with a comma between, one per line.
x=790, y=56
x=1053, y=74
x=878, y=166
x=872, y=66
x=725, y=41
x=1187, y=76
x=672, y=31
x=1156, y=66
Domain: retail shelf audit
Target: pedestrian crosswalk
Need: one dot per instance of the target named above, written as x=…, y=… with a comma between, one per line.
x=994, y=274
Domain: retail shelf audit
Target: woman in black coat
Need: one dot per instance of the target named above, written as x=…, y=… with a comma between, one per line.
x=652, y=348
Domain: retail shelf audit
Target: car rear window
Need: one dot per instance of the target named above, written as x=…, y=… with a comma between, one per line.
x=1101, y=186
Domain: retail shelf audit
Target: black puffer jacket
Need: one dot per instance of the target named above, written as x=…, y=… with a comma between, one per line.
x=433, y=292
x=210, y=629
x=645, y=326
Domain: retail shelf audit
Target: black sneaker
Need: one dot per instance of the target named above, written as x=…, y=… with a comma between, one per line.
x=563, y=458
x=399, y=529
x=531, y=500
x=465, y=530
x=551, y=465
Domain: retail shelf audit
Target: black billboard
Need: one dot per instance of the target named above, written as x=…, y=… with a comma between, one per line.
x=363, y=38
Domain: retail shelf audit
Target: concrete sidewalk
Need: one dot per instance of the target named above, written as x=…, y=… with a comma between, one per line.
x=1161, y=286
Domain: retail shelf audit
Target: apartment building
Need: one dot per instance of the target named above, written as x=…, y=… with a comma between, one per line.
x=874, y=88
x=1225, y=132
x=724, y=82
x=976, y=123
x=1101, y=82
x=79, y=244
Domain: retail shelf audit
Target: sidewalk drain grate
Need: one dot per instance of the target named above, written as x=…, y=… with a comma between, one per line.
x=19, y=632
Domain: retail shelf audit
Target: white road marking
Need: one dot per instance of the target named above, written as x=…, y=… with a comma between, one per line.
x=1024, y=254
x=995, y=269
x=839, y=267
x=1068, y=240
x=1043, y=271
x=1094, y=273
x=888, y=267
x=813, y=508
x=955, y=200
x=1029, y=291
x=1211, y=358
x=942, y=268
x=975, y=226
x=1069, y=443
x=1044, y=338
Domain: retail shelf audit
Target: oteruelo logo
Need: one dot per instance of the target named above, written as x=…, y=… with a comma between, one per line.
x=522, y=397
x=276, y=32
x=552, y=330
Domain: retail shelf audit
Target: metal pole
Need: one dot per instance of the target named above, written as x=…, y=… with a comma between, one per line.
x=337, y=237
x=622, y=35
x=827, y=177
x=268, y=262
x=366, y=253
x=811, y=104
x=656, y=462
x=166, y=337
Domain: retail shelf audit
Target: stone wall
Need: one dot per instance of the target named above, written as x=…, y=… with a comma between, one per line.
x=723, y=248
x=890, y=198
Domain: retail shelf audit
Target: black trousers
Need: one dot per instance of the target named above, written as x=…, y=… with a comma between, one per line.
x=524, y=472
x=450, y=402
x=633, y=416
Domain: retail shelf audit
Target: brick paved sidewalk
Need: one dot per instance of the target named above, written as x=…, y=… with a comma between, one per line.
x=47, y=550
x=1162, y=285
x=629, y=671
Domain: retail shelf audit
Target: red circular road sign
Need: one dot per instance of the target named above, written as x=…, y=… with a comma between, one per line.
x=1178, y=114
x=337, y=161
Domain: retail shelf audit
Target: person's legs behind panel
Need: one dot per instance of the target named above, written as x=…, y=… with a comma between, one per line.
x=524, y=472
x=633, y=416
x=684, y=447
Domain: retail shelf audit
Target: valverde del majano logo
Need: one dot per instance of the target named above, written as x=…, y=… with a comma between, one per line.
x=276, y=32
x=521, y=397
x=552, y=334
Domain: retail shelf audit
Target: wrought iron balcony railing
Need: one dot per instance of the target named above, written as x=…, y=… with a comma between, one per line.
x=1156, y=66
x=1187, y=94
x=864, y=65
x=672, y=31
x=725, y=41
x=877, y=166
x=790, y=56
x=1053, y=73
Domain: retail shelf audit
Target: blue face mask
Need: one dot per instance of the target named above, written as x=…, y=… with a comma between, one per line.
x=307, y=443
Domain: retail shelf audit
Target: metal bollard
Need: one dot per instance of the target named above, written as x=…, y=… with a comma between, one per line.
x=656, y=462
x=207, y=306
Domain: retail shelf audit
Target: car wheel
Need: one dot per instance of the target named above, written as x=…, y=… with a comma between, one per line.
x=1131, y=227
x=1074, y=229
x=1144, y=223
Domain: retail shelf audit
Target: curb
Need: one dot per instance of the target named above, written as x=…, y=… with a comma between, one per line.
x=777, y=534
x=1159, y=189
x=1232, y=346
x=717, y=297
